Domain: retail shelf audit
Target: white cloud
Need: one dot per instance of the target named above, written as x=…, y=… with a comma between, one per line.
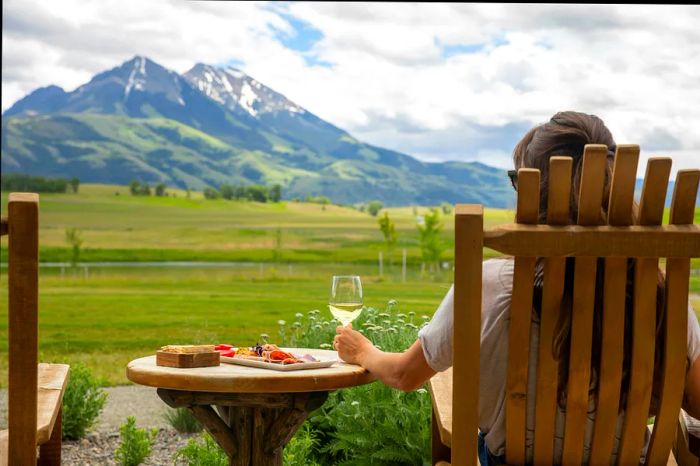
x=390, y=83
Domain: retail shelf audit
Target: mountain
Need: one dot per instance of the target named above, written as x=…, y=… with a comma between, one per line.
x=215, y=125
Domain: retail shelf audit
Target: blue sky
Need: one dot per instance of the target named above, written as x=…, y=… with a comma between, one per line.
x=438, y=81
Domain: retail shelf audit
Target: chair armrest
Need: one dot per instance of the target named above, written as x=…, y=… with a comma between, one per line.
x=686, y=445
x=52, y=381
x=440, y=386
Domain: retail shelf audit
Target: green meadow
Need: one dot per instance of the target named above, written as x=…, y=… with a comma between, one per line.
x=116, y=226
x=287, y=252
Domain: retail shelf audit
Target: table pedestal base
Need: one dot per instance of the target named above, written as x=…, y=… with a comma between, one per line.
x=252, y=428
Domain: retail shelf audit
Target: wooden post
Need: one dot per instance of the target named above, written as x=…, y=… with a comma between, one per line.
x=403, y=266
x=381, y=264
x=23, y=284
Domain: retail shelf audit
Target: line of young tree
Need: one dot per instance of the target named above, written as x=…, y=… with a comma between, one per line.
x=37, y=184
x=252, y=192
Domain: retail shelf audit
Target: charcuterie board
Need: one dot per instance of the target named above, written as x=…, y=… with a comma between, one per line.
x=252, y=361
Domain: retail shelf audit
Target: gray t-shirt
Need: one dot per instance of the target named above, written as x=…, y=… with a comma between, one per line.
x=497, y=286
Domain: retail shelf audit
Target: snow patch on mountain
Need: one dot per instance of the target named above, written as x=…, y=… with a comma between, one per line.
x=137, y=78
x=238, y=91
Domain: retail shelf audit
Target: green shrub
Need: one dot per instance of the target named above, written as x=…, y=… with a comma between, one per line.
x=82, y=402
x=370, y=424
x=182, y=420
x=202, y=452
x=300, y=450
x=135, y=443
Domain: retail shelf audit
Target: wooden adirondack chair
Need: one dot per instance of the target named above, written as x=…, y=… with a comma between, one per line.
x=35, y=392
x=455, y=392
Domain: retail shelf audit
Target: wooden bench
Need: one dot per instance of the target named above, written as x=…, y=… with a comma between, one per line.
x=35, y=393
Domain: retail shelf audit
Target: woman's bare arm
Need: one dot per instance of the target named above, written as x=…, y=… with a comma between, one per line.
x=405, y=371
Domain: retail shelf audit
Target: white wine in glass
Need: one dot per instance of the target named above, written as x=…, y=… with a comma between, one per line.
x=345, y=302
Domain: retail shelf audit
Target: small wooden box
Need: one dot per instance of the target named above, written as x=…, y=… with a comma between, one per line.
x=187, y=360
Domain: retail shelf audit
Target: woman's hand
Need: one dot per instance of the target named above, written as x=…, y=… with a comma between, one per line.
x=351, y=345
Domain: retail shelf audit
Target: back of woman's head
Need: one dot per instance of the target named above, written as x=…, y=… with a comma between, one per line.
x=565, y=134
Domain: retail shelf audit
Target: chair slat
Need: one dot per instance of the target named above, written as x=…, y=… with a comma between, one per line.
x=552, y=290
x=559, y=190
x=644, y=318
x=611, y=363
x=547, y=368
x=685, y=192
x=622, y=186
x=592, y=184
x=676, y=324
x=589, y=213
x=519, y=329
x=674, y=361
x=610, y=377
x=651, y=207
x=469, y=228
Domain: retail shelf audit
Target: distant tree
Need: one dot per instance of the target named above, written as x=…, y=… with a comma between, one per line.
x=75, y=184
x=160, y=189
x=388, y=229
x=226, y=191
x=446, y=208
x=275, y=193
x=277, y=252
x=135, y=188
x=211, y=193
x=74, y=239
x=145, y=190
x=373, y=207
x=257, y=193
x=39, y=184
x=429, y=236
x=239, y=192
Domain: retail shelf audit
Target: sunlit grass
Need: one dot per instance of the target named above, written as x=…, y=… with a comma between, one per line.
x=114, y=316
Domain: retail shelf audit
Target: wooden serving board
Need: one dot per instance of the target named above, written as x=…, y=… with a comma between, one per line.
x=187, y=360
x=251, y=361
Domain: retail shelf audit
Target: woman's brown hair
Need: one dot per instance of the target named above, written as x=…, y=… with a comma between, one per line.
x=566, y=134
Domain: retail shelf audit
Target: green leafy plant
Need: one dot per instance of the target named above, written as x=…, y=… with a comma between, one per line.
x=135, y=443
x=75, y=240
x=299, y=451
x=366, y=424
x=203, y=451
x=429, y=235
x=82, y=402
x=182, y=420
x=388, y=229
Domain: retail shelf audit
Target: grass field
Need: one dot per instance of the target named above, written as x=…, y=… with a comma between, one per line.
x=116, y=314
x=125, y=227
x=113, y=316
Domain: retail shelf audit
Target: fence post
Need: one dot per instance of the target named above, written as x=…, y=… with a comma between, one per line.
x=381, y=264
x=403, y=266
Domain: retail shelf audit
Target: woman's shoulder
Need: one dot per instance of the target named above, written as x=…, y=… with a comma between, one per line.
x=498, y=272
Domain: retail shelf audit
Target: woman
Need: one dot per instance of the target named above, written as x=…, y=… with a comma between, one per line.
x=565, y=134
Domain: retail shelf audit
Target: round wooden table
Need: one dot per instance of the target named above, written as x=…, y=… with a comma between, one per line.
x=257, y=410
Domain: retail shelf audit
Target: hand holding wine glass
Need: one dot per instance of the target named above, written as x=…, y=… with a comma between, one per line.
x=345, y=302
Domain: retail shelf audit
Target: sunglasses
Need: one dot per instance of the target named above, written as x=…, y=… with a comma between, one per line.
x=513, y=175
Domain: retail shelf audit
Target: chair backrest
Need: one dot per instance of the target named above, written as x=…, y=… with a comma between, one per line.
x=22, y=226
x=615, y=239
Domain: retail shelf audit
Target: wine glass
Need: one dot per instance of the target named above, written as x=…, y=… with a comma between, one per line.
x=345, y=302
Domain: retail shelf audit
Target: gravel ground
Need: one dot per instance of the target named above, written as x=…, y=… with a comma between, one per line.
x=98, y=447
